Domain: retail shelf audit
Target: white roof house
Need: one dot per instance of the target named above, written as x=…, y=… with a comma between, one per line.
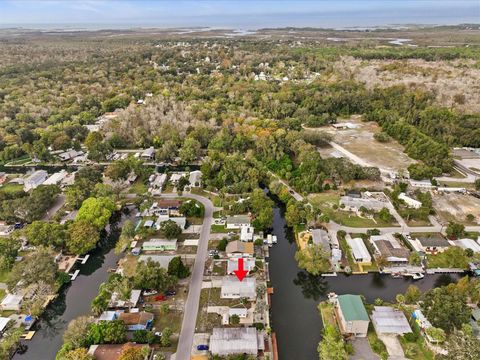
x=34, y=180
x=11, y=302
x=232, y=288
x=246, y=233
x=181, y=221
x=158, y=181
x=410, y=201
x=232, y=264
x=132, y=302
x=388, y=320
x=466, y=244
x=226, y=341
x=354, y=204
x=195, y=178
x=56, y=178
x=425, y=184
x=237, y=221
x=3, y=323
x=176, y=176
x=240, y=312
x=359, y=250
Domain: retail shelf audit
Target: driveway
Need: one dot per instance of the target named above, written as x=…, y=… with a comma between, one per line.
x=185, y=341
x=58, y=203
x=363, y=351
x=394, y=349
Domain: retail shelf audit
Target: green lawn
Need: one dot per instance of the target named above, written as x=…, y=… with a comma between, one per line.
x=219, y=229
x=11, y=188
x=138, y=187
x=3, y=275
x=416, y=350
x=376, y=344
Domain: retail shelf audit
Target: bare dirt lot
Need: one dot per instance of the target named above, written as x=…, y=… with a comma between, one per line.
x=456, y=207
x=360, y=142
x=455, y=83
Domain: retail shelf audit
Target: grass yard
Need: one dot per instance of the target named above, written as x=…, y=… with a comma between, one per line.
x=328, y=314
x=172, y=319
x=347, y=253
x=376, y=344
x=416, y=350
x=219, y=229
x=11, y=188
x=138, y=187
x=2, y=293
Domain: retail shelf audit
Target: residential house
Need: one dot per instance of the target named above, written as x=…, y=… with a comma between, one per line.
x=181, y=221
x=359, y=251
x=56, y=178
x=148, y=154
x=176, y=176
x=389, y=321
x=242, y=313
x=320, y=237
x=239, y=249
x=116, y=303
x=160, y=245
x=169, y=204
x=137, y=320
x=246, y=233
x=228, y=341
x=354, y=204
x=35, y=179
x=195, y=178
x=430, y=244
x=70, y=155
x=389, y=248
x=352, y=315
x=423, y=184
x=11, y=302
x=466, y=244
x=111, y=351
x=232, y=265
x=108, y=315
x=5, y=229
x=237, y=221
x=3, y=324
x=162, y=260
x=232, y=288
x=410, y=201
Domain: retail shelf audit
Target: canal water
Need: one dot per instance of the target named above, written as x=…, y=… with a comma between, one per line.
x=295, y=317
x=73, y=301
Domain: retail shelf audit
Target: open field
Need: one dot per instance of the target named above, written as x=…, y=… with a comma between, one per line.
x=360, y=142
x=456, y=207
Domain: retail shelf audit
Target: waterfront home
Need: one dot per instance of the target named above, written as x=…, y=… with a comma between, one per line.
x=111, y=351
x=432, y=244
x=246, y=233
x=116, y=303
x=232, y=288
x=137, y=320
x=242, y=313
x=228, y=341
x=353, y=204
x=412, y=203
x=148, y=154
x=237, y=221
x=387, y=320
x=35, y=179
x=388, y=247
x=11, y=302
x=351, y=315
x=195, y=178
x=320, y=237
x=466, y=244
x=359, y=251
x=232, y=265
x=108, y=315
x=239, y=249
x=162, y=260
x=160, y=245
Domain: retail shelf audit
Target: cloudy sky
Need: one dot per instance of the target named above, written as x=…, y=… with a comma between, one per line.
x=244, y=14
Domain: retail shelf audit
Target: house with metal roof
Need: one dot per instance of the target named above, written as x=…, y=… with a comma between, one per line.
x=359, y=251
x=466, y=244
x=232, y=288
x=160, y=245
x=148, y=153
x=195, y=178
x=11, y=302
x=232, y=265
x=227, y=341
x=354, y=204
x=387, y=320
x=352, y=315
x=320, y=237
x=116, y=303
x=34, y=180
x=237, y=221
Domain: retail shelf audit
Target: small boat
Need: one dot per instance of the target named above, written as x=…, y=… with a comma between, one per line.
x=274, y=239
x=415, y=276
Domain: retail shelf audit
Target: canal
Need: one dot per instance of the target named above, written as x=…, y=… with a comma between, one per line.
x=295, y=317
x=73, y=301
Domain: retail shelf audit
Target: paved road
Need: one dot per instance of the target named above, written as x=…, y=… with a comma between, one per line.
x=59, y=202
x=191, y=306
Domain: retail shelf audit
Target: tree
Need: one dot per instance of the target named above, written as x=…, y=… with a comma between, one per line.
x=41, y=233
x=189, y=151
x=165, y=338
x=437, y=334
x=77, y=331
x=313, y=259
x=234, y=319
x=107, y=332
x=130, y=352
x=151, y=276
x=8, y=252
x=143, y=337
x=191, y=208
x=414, y=259
x=222, y=244
x=462, y=345
x=384, y=215
x=77, y=354
x=445, y=308
x=96, y=211
x=412, y=294
x=40, y=267
x=470, y=217
x=10, y=341
x=331, y=347
x=177, y=268
x=170, y=229
x=83, y=237
x=454, y=230
x=400, y=298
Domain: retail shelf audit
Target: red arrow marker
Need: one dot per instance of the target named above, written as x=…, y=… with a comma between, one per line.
x=241, y=273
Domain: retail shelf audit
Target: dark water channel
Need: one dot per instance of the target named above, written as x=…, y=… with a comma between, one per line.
x=73, y=301
x=295, y=318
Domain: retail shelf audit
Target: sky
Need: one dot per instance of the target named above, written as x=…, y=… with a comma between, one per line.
x=245, y=14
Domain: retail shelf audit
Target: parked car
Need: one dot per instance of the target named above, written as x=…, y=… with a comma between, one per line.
x=170, y=292
x=150, y=293
x=160, y=298
x=202, y=347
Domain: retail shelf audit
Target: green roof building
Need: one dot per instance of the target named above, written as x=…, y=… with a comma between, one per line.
x=352, y=315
